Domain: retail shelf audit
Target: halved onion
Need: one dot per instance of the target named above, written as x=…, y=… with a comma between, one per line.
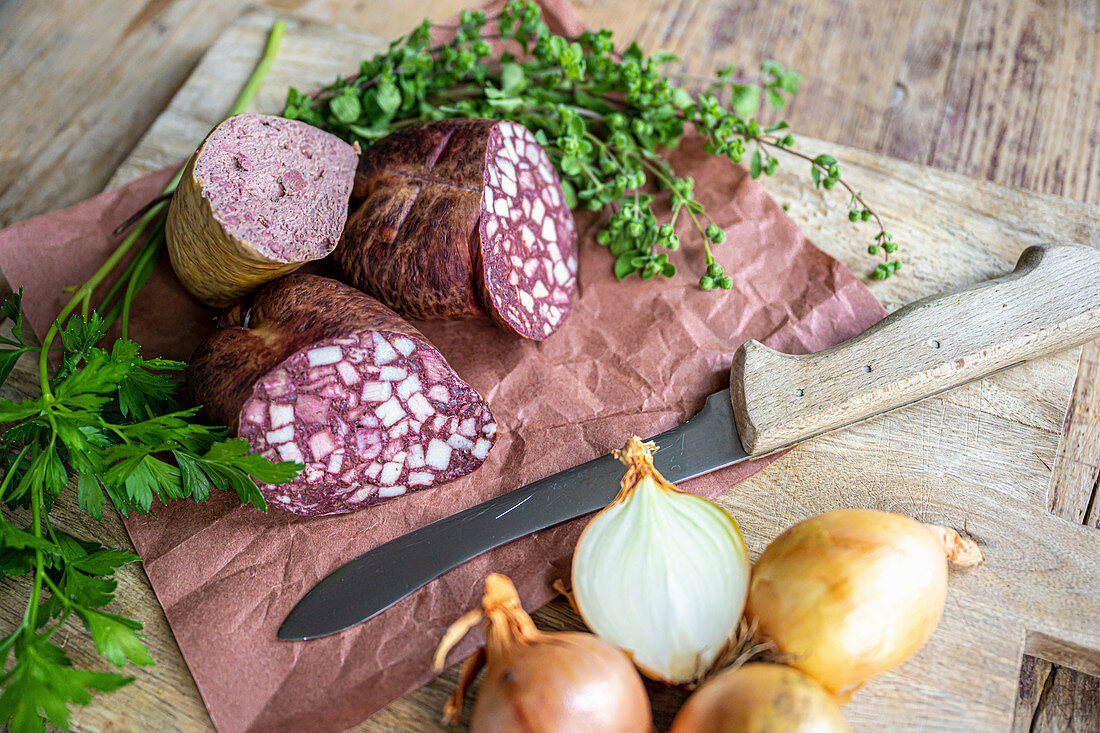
x=661, y=573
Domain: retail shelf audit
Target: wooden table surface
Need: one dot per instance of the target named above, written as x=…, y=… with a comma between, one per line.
x=1007, y=91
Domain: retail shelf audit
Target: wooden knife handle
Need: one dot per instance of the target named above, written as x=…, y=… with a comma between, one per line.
x=1050, y=302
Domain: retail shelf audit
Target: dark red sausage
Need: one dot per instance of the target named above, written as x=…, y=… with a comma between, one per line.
x=317, y=372
x=459, y=218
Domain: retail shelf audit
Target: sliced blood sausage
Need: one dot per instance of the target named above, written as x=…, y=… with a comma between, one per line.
x=261, y=196
x=320, y=373
x=459, y=218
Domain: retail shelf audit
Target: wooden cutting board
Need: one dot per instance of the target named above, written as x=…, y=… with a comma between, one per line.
x=978, y=458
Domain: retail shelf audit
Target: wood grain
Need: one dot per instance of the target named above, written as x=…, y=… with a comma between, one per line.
x=1067, y=701
x=78, y=95
x=1043, y=139
x=885, y=77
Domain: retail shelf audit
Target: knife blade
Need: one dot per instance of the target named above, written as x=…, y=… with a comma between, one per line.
x=1051, y=301
x=704, y=443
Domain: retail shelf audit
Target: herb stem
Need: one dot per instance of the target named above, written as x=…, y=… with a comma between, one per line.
x=11, y=471
x=113, y=310
x=605, y=115
x=57, y=591
x=659, y=174
x=841, y=181
x=96, y=387
x=702, y=233
x=591, y=175
x=88, y=287
x=655, y=170
x=138, y=214
x=39, y=566
x=143, y=259
x=739, y=81
x=320, y=96
x=605, y=148
x=248, y=91
x=458, y=26
x=61, y=621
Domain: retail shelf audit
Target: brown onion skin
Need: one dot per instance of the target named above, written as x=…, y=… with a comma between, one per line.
x=565, y=683
x=541, y=682
x=817, y=588
x=760, y=698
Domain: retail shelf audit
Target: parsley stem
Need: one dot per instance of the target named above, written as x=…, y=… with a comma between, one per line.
x=140, y=273
x=139, y=213
x=11, y=471
x=91, y=284
x=61, y=621
x=150, y=424
x=57, y=592
x=113, y=310
x=39, y=567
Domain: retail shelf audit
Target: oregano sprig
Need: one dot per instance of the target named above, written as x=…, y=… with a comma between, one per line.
x=602, y=113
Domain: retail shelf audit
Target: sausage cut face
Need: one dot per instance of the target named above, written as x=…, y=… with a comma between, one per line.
x=319, y=373
x=527, y=237
x=460, y=219
x=371, y=415
x=279, y=185
x=260, y=197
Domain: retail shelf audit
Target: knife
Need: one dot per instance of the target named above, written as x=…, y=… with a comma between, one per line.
x=1049, y=302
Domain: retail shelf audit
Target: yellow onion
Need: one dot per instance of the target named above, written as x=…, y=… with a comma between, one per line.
x=760, y=698
x=849, y=594
x=661, y=574
x=539, y=682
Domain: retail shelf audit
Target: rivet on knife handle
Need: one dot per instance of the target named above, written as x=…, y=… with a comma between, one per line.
x=1050, y=302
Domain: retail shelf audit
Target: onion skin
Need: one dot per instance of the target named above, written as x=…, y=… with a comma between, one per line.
x=849, y=594
x=532, y=691
x=760, y=698
x=539, y=682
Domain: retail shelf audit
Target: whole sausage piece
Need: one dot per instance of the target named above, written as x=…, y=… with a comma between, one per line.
x=260, y=197
x=320, y=373
x=459, y=219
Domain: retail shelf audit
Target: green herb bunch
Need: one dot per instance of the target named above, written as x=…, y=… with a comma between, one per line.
x=110, y=419
x=108, y=424
x=602, y=114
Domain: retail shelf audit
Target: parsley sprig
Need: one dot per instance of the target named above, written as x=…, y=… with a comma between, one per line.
x=111, y=420
x=109, y=424
x=602, y=114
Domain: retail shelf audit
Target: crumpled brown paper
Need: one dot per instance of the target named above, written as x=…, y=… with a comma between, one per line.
x=633, y=357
